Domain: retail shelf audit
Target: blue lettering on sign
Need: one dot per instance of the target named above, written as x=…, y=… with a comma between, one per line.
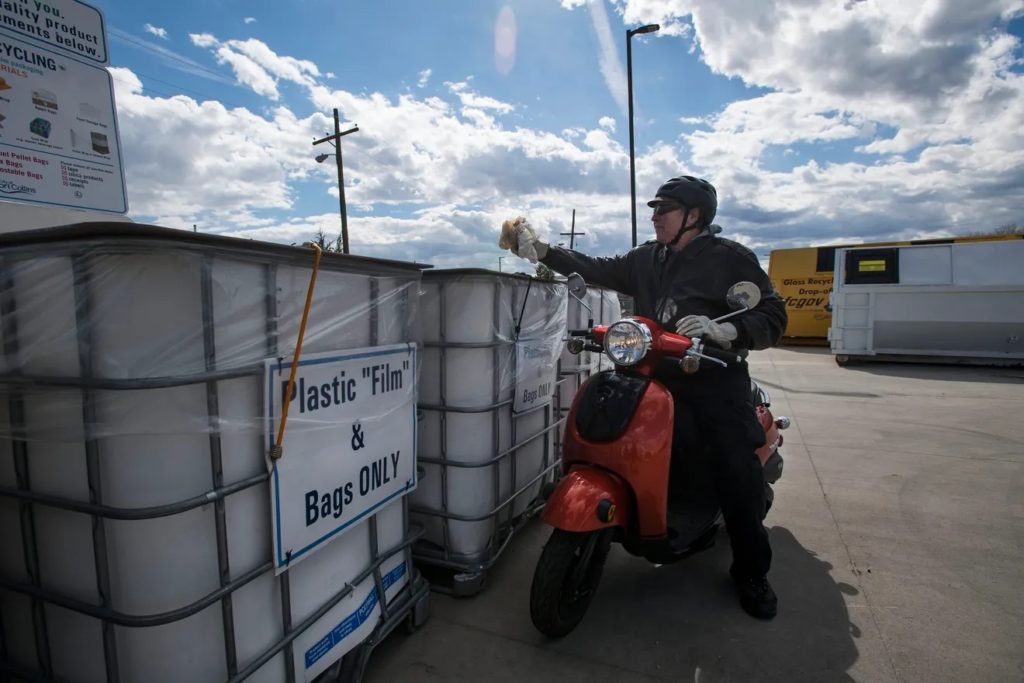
x=353, y=621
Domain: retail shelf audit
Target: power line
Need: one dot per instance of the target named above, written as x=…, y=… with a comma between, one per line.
x=184, y=89
x=144, y=87
x=120, y=35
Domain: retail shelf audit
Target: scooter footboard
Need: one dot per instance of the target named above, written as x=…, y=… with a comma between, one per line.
x=587, y=499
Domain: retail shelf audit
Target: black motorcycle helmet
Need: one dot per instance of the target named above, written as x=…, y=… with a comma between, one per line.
x=691, y=192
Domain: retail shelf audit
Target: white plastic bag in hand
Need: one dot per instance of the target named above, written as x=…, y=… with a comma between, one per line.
x=526, y=240
x=520, y=238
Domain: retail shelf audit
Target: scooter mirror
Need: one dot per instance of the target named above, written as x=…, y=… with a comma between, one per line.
x=743, y=296
x=577, y=285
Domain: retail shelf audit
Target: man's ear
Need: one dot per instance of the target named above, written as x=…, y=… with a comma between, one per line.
x=692, y=217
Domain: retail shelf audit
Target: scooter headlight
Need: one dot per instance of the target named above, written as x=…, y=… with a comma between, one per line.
x=627, y=342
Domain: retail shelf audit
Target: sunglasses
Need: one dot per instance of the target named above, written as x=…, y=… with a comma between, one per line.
x=666, y=207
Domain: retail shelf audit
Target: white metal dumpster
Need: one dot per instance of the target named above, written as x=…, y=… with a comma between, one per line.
x=134, y=488
x=952, y=302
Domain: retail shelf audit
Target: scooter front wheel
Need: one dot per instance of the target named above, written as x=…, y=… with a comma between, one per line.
x=567, y=575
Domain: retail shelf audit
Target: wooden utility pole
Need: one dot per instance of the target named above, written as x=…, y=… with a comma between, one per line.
x=572, y=231
x=336, y=141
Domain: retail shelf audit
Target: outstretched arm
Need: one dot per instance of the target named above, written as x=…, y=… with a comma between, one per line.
x=615, y=272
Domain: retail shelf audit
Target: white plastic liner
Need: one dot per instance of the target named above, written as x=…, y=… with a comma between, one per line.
x=131, y=378
x=483, y=463
x=575, y=369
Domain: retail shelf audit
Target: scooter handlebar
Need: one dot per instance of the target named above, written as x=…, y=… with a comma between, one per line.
x=725, y=356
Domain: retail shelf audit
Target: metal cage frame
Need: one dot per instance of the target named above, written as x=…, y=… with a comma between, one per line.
x=411, y=603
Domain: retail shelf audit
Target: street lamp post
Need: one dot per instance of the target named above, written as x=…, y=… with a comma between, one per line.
x=649, y=28
x=320, y=158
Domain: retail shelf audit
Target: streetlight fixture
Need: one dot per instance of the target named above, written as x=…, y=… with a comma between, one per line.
x=649, y=28
x=335, y=140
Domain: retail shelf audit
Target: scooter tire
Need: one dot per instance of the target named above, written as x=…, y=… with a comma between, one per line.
x=562, y=590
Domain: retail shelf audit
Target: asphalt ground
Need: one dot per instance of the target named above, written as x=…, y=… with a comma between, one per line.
x=898, y=538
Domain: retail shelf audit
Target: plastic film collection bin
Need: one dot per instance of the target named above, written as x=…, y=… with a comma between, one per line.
x=134, y=496
x=487, y=391
x=575, y=369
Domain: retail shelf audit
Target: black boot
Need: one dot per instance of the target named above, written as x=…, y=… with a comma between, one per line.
x=756, y=596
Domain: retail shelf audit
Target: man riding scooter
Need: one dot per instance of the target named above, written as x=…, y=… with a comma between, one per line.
x=680, y=279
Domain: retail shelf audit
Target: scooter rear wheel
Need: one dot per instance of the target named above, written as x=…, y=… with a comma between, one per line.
x=567, y=575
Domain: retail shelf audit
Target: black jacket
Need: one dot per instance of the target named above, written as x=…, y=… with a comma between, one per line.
x=667, y=285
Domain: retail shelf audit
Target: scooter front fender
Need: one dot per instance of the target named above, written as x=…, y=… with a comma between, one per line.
x=582, y=498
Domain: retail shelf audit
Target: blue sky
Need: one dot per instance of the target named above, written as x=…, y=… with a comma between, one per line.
x=819, y=123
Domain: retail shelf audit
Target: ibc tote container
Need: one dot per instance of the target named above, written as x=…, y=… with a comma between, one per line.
x=574, y=370
x=134, y=499
x=491, y=341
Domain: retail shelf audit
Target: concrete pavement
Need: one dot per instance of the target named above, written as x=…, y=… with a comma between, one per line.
x=898, y=537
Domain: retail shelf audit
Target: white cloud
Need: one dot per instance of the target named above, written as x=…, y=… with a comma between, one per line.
x=669, y=14
x=226, y=169
x=424, y=78
x=258, y=67
x=927, y=97
x=169, y=58
x=608, y=55
x=249, y=20
x=301, y=71
x=249, y=72
x=207, y=160
x=203, y=39
x=471, y=100
x=156, y=31
x=430, y=178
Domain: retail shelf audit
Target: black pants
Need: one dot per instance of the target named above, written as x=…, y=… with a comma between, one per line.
x=718, y=402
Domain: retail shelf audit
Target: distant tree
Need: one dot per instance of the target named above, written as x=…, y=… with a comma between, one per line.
x=1006, y=229
x=544, y=273
x=327, y=244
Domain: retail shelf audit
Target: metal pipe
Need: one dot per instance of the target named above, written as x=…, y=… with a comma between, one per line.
x=216, y=460
x=488, y=515
x=504, y=454
x=83, y=325
x=110, y=617
x=283, y=579
x=446, y=531
x=19, y=452
x=153, y=512
x=111, y=384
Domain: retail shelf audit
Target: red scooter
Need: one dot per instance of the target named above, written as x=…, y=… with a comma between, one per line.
x=618, y=485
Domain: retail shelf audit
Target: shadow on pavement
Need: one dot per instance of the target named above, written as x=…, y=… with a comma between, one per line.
x=683, y=622
x=1010, y=372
